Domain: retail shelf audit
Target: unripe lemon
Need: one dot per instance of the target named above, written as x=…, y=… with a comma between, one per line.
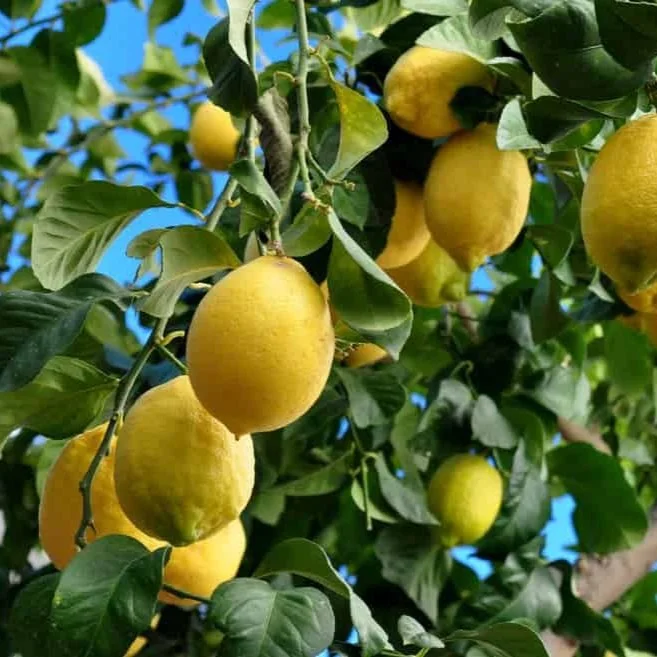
x=419, y=88
x=198, y=568
x=408, y=233
x=476, y=196
x=366, y=354
x=465, y=494
x=619, y=206
x=213, y=137
x=180, y=474
x=432, y=279
x=644, y=301
x=260, y=345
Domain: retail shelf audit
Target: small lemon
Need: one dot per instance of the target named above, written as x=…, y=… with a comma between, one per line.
x=619, y=206
x=366, y=354
x=465, y=494
x=408, y=233
x=421, y=85
x=180, y=474
x=476, y=197
x=213, y=137
x=432, y=279
x=260, y=345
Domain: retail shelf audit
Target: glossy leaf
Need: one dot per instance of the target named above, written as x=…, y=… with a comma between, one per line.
x=505, y=640
x=490, y=427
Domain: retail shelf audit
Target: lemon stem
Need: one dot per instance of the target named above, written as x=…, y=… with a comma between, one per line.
x=122, y=395
x=363, y=472
x=171, y=357
x=179, y=593
x=221, y=204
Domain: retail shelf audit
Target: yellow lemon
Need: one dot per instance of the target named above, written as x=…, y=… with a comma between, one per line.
x=198, y=568
x=180, y=474
x=366, y=354
x=419, y=88
x=476, y=196
x=408, y=233
x=644, y=301
x=465, y=494
x=619, y=206
x=432, y=279
x=260, y=345
x=213, y=137
x=140, y=641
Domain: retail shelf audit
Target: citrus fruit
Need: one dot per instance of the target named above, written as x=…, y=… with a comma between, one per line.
x=408, y=233
x=140, y=641
x=366, y=354
x=180, y=474
x=432, y=279
x=644, y=301
x=476, y=196
x=260, y=345
x=465, y=494
x=421, y=85
x=619, y=206
x=213, y=137
x=198, y=568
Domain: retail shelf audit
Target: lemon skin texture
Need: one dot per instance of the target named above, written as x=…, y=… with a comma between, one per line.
x=260, y=345
x=180, y=474
x=199, y=568
x=432, y=279
x=366, y=354
x=408, y=233
x=644, y=301
x=60, y=510
x=619, y=206
x=476, y=197
x=465, y=494
x=419, y=88
x=213, y=137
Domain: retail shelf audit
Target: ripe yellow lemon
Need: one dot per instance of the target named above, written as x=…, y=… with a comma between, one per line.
x=476, y=196
x=408, y=233
x=432, y=279
x=644, y=301
x=140, y=641
x=180, y=474
x=465, y=494
x=419, y=88
x=619, y=206
x=213, y=137
x=260, y=345
x=198, y=568
x=366, y=354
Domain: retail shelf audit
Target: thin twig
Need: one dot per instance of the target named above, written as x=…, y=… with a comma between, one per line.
x=179, y=593
x=170, y=356
x=220, y=205
x=122, y=396
x=28, y=26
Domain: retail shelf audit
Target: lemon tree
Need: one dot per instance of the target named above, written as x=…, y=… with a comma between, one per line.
x=314, y=319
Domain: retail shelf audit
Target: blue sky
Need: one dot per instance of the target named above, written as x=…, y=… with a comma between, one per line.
x=119, y=51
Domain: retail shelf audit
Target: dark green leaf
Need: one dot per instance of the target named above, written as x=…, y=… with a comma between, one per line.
x=505, y=640
x=309, y=231
x=545, y=314
x=19, y=8
x=322, y=481
x=107, y=596
x=35, y=326
x=254, y=182
x=78, y=222
x=83, y=22
x=490, y=427
x=617, y=524
x=259, y=621
x=161, y=12
x=629, y=360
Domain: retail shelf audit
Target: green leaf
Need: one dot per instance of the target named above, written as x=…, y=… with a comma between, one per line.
x=322, y=481
x=564, y=391
x=416, y=563
x=617, y=524
x=410, y=503
x=362, y=129
x=83, y=22
x=161, y=12
x=239, y=12
x=512, y=131
x=234, y=86
x=545, y=315
x=78, y=222
x=259, y=621
x=107, y=596
x=504, y=639
x=436, y=7
x=189, y=254
x=364, y=296
x=29, y=621
x=307, y=559
x=194, y=189
x=553, y=242
x=629, y=359
x=490, y=427
x=19, y=8
x=35, y=326
x=8, y=129
x=254, y=182
x=455, y=34
x=309, y=231
x=642, y=602
x=413, y=634
x=374, y=397
x=525, y=509
x=63, y=400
